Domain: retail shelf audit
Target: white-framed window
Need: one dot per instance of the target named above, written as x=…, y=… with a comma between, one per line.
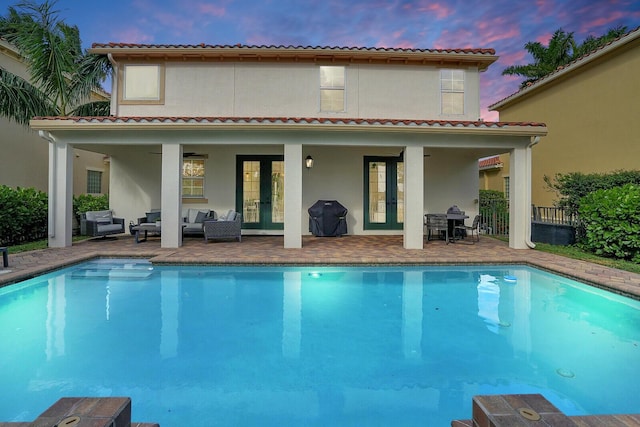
x=452, y=91
x=506, y=187
x=142, y=84
x=94, y=181
x=332, y=84
x=193, y=178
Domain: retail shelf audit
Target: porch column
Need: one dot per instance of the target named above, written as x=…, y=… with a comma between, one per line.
x=293, y=195
x=519, y=197
x=171, y=196
x=60, y=193
x=413, y=197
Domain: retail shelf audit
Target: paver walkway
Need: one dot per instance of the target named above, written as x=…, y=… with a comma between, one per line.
x=317, y=250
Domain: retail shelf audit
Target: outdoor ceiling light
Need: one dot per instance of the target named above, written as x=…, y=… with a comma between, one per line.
x=308, y=162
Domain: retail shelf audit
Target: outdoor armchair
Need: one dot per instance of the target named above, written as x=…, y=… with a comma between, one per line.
x=226, y=227
x=100, y=224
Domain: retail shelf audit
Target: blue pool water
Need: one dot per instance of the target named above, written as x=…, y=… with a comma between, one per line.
x=271, y=346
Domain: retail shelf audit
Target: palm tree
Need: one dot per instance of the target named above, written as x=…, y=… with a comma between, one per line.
x=562, y=50
x=62, y=75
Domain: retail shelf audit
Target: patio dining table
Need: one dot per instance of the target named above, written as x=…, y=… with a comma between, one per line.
x=452, y=218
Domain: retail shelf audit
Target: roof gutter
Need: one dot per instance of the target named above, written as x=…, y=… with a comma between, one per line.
x=527, y=237
x=53, y=170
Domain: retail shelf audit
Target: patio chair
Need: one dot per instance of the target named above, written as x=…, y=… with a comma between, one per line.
x=469, y=229
x=100, y=224
x=436, y=224
x=226, y=227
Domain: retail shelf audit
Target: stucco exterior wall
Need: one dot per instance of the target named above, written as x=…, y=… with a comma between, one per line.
x=337, y=174
x=293, y=90
x=592, y=117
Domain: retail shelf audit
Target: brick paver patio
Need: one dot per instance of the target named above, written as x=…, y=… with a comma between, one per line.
x=316, y=250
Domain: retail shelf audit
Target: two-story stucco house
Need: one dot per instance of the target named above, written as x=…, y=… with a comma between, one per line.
x=591, y=108
x=393, y=133
x=25, y=159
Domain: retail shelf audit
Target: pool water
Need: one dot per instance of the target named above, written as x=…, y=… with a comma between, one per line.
x=302, y=346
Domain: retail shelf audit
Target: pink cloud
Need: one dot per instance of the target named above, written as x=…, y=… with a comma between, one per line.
x=134, y=35
x=441, y=11
x=211, y=9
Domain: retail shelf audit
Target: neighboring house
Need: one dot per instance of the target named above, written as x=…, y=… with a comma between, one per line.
x=494, y=174
x=393, y=133
x=25, y=159
x=592, y=110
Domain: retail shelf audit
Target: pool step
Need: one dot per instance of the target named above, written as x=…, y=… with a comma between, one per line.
x=108, y=269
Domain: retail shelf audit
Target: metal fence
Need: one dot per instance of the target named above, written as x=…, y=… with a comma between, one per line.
x=495, y=217
x=553, y=215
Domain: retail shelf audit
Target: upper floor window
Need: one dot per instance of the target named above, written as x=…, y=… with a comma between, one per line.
x=142, y=84
x=452, y=91
x=332, y=88
x=193, y=178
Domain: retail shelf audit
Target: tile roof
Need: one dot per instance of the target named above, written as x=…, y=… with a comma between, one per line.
x=239, y=46
x=482, y=58
x=563, y=69
x=328, y=121
x=490, y=162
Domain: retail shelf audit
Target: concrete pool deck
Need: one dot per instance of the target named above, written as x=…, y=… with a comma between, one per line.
x=316, y=250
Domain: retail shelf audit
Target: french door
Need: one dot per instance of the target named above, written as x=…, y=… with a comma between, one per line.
x=383, y=193
x=260, y=191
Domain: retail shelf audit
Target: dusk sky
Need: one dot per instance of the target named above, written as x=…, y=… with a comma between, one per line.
x=504, y=25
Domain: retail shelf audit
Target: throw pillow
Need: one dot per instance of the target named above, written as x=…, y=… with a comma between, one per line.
x=201, y=217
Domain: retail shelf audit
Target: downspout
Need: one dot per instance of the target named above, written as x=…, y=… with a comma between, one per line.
x=527, y=237
x=114, y=85
x=53, y=172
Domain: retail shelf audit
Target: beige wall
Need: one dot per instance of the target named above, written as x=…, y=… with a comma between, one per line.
x=337, y=174
x=592, y=117
x=293, y=90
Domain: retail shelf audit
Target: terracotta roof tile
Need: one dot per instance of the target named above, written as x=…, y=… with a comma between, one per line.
x=294, y=121
x=489, y=162
x=289, y=47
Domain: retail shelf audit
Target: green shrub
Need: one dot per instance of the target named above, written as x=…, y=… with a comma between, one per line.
x=611, y=221
x=572, y=187
x=89, y=202
x=23, y=215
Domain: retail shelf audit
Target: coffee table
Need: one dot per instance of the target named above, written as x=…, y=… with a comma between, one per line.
x=153, y=227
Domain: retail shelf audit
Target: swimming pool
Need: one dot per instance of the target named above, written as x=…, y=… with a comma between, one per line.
x=289, y=346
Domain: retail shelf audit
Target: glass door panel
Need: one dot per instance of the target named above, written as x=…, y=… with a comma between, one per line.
x=384, y=193
x=251, y=192
x=277, y=191
x=260, y=191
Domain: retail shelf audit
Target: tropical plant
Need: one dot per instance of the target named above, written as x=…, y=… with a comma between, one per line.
x=611, y=219
x=62, y=75
x=562, y=49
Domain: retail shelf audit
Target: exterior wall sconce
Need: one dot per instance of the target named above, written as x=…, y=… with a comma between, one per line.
x=308, y=162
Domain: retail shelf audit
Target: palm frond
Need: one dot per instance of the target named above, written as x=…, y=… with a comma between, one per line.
x=20, y=101
x=93, y=109
x=91, y=71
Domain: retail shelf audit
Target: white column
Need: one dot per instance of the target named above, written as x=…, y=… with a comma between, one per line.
x=413, y=197
x=519, y=197
x=60, y=194
x=293, y=195
x=171, y=197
